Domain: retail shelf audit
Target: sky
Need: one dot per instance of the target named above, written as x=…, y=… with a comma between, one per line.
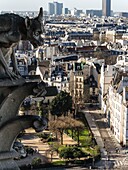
x=34, y=5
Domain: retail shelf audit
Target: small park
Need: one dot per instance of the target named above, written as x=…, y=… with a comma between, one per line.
x=67, y=135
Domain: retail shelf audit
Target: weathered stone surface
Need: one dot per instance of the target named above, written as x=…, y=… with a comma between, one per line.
x=14, y=88
x=11, y=124
x=10, y=105
x=10, y=130
x=7, y=162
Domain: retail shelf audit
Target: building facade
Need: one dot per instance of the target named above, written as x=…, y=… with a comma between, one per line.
x=106, y=8
x=51, y=9
x=55, y=8
x=117, y=112
x=93, y=12
x=66, y=11
x=58, y=8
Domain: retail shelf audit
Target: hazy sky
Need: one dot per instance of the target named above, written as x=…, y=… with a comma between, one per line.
x=33, y=5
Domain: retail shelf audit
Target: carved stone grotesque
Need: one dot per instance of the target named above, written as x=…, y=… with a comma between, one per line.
x=14, y=28
x=13, y=90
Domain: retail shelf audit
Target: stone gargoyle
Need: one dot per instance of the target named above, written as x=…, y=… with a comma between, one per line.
x=14, y=28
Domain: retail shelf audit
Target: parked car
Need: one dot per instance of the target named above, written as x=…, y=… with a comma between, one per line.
x=19, y=147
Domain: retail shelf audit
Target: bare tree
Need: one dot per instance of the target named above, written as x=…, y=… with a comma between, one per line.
x=62, y=123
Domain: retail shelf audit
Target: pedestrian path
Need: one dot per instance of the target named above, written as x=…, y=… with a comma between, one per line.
x=122, y=164
x=118, y=164
x=43, y=149
x=95, y=132
x=113, y=139
x=67, y=140
x=125, y=161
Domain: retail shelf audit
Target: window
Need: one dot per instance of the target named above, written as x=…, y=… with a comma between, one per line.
x=80, y=92
x=76, y=92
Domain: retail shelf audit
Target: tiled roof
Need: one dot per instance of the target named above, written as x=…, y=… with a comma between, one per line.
x=44, y=63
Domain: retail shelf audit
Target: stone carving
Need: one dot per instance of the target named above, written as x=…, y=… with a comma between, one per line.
x=14, y=28
x=11, y=123
x=14, y=96
x=16, y=125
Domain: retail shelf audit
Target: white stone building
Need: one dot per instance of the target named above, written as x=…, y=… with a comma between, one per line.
x=106, y=76
x=117, y=101
x=117, y=111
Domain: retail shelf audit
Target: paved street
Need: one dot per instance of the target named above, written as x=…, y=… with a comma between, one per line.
x=113, y=155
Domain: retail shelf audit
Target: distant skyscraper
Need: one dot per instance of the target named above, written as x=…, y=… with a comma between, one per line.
x=51, y=9
x=66, y=11
x=106, y=7
x=58, y=8
x=55, y=8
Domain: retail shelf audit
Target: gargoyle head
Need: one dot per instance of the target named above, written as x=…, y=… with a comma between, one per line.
x=35, y=27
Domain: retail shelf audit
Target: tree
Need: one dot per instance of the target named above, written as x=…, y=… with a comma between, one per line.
x=77, y=126
x=64, y=123
x=59, y=125
x=74, y=125
x=61, y=104
x=66, y=153
x=72, y=153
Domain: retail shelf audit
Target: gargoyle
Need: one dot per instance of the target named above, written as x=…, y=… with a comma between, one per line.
x=14, y=28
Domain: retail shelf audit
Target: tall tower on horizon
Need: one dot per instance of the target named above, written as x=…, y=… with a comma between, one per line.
x=106, y=8
x=58, y=8
x=51, y=9
x=55, y=8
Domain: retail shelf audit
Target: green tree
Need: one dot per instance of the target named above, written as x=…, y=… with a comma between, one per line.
x=64, y=123
x=66, y=153
x=76, y=126
x=61, y=104
x=72, y=153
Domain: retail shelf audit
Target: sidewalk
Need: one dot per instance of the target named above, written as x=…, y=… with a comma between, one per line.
x=68, y=140
x=95, y=132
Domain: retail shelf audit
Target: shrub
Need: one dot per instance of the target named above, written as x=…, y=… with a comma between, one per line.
x=43, y=135
x=66, y=153
x=72, y=153
x=36, y=161
x=59, y=163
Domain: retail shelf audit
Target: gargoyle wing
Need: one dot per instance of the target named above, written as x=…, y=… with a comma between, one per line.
x=5, y=23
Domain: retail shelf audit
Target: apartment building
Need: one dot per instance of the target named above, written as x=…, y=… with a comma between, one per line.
x=117, y=101
x=117, y=112
x=107, y=72
x=77, y=86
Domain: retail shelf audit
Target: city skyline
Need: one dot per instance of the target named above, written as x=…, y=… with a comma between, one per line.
x=29, y=5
